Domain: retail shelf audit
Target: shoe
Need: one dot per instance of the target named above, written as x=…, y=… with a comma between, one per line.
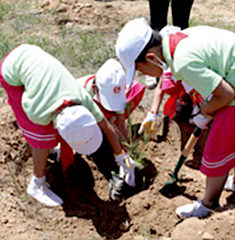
x=194, y=209
x=230, y=185
x=150, y=82
x=43, y=194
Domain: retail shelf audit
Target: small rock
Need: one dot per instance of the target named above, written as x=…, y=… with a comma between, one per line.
x=68, y=25
x=207, y=236
x=61, y=9
x=38, y=227
x=87, y=5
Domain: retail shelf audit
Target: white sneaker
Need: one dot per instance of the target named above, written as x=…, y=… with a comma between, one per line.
x=194, y=209
x=230, y=185
x=43, y=194
x=150, y=82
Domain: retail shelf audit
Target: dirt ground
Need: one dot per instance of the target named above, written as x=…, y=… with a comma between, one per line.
x=87, y=213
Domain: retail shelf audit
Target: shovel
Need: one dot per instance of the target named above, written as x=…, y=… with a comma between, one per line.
x=171, y=186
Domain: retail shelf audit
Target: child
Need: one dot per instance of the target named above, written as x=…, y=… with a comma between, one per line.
x=50, y=107
x=178, y=106
x=203, y=57
x=166, y=85
x=116, y=100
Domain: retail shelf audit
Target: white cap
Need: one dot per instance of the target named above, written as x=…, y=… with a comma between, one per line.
x=111, y=82
x=167, y=30
x=132, y=39
x=78, y=127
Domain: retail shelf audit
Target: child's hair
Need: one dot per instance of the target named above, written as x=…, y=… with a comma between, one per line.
x=154, y=41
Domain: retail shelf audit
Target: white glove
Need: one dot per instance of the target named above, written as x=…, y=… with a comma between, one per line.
x=129, y=177
x=148, y=126
x=127, y=168
x=199, y=119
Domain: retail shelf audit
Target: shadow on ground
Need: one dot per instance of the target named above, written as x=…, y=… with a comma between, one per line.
x=80, y=199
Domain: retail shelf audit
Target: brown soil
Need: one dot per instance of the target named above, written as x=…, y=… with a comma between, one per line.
x=87, y=213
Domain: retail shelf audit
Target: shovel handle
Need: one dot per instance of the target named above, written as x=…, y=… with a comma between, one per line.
x=191, y=142
x=188, y=147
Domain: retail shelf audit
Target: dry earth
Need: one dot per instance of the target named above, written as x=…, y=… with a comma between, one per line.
x=87, y=213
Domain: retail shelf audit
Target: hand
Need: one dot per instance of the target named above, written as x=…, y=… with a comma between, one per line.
x=199, y=119
x=148, y=126
x=125, y=161
x=127, y=168
x=128, y=176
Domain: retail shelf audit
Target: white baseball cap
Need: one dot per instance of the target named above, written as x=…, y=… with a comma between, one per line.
x=111, y=82
x=132, y=39
x=78, y=127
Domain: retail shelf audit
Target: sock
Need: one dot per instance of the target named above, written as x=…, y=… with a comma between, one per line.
x=37, y=180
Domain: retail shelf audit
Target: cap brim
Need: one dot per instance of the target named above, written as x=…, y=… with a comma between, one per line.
x=130, y=73
x=113, y=103
x=92, y=145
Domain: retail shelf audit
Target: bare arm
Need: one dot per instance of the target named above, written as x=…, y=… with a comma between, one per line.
x=109, y=131
x=222, y=96
x=122, y=127
x=157, y=98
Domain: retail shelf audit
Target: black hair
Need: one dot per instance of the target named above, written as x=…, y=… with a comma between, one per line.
x=154, y=41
